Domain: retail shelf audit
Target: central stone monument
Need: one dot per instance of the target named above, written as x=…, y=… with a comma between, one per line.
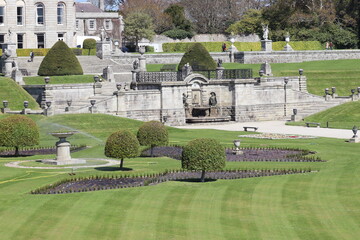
x=266, y=44
x=63, y=151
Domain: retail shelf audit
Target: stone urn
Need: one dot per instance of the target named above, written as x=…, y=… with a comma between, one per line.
x=237, y=147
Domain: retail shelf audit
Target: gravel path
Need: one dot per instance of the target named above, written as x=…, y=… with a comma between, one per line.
x=109, y=163
x=275, y=127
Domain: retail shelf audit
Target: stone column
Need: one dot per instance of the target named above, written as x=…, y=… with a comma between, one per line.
x=266, y=45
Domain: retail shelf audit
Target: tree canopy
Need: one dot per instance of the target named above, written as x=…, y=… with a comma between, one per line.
x=153, y=134
x=18, y=131
x=198, y=58
x=122, y=144
x=138, y=25
x=203, y=154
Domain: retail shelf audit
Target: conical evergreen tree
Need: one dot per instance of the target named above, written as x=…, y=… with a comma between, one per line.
x=198, y=58
x=59, y=61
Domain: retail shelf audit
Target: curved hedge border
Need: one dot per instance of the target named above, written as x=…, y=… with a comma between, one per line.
x=243, y=46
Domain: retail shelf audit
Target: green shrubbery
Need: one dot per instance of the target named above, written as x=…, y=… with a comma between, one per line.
x=18, y=131
x=198, y=57
x=243, y=46
x=25, y=52
x=178, y=34
x=153, y=134
x=89, y=44
x=203, y=154
x=60, y=60
x=122, y=144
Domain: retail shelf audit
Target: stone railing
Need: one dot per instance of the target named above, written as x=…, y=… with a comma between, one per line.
x=154, y=77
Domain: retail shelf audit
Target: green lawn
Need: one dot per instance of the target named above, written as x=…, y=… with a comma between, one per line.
x=15, y=95
x=319, y=205
x=343, y=116
x=342, y=74
x=39, y=80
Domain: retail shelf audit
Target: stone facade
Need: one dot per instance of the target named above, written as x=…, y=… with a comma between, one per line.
x=40, y=24
x=36, y=24
x=188, y=100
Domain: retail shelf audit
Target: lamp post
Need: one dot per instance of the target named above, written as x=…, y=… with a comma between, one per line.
x=286, y=80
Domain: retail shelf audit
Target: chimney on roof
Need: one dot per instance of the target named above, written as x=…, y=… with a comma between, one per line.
x=102, y=5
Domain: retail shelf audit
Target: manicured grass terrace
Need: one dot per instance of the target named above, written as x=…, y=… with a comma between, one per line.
x=319, y=205
x=342, y=74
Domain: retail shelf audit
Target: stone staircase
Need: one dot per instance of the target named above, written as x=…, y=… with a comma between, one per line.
x=90, y=64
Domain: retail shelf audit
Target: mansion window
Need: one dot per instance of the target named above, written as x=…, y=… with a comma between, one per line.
x=20, y=12
x=2, y=13
x=40, y=40
x=60, y=36
x=20, y=41
x=77, y=24
x=39, y=14
x=20, y=17
x=107, y=24
x=60, y=13
x=92, y=24
x=2, y=39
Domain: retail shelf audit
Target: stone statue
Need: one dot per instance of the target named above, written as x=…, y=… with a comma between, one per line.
x=185, y=100
x=187, y=69
x=102, y=34
x=265, y=28
x=136, y=65
x=219, y=62
x=212, y=99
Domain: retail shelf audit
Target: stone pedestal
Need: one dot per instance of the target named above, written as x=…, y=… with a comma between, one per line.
x=5, y=110
x=295, y=118
x=328, y=97
x=49, y=111
x=103, y=49
x=97, y=88
x=17, y=76
x=266, y=45
x=63, y=156
x=108, y=74
x=288, y=48
x=26, y=111
x=219, y=72
x=142, y=63
x=266, y=67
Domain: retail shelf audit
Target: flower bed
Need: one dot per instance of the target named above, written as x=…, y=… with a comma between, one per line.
x=249, y=154
x=38, y=151
x=95, y=183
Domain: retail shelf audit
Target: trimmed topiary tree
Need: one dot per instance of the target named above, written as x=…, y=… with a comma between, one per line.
x=18, y=131
x=198, y=58
x=122, y=144
x=203, y=154
x=60, y=61
x=89, y=44
x=153, y=134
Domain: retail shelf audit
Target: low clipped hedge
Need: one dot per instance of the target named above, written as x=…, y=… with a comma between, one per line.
x=243, y=46
x=25, y=52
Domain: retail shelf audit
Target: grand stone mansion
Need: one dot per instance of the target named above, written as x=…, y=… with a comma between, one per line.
x=36, y=24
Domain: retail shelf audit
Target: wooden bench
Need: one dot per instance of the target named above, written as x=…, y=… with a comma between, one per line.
x=254, y=128
x=168, y=68
x=312, y=123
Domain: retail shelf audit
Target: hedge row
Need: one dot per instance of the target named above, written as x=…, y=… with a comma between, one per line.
x=243, y=46
x=43, y=51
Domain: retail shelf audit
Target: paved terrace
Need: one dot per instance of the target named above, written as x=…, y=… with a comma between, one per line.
x=276, y=127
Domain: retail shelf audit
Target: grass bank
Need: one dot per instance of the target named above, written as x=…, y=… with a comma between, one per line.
x=39, y=80
x=319, y=205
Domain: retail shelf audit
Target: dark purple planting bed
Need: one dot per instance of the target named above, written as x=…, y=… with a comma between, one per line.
x=249, y=154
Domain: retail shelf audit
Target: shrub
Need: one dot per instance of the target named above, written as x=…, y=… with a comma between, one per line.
x=178, y=34
x=89, y=44
x=198, y=57
x=18, y=131
x=153, y=134
x=122, y=144
x=203, y=154
x=59, y=61
x=149, y=49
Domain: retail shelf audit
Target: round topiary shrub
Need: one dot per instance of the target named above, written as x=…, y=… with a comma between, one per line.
x=60, y=61
x=18, y=131
x=89, y=44
x=153, y=134
x=122, y=144
x=203, y=154
x=198, y=58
